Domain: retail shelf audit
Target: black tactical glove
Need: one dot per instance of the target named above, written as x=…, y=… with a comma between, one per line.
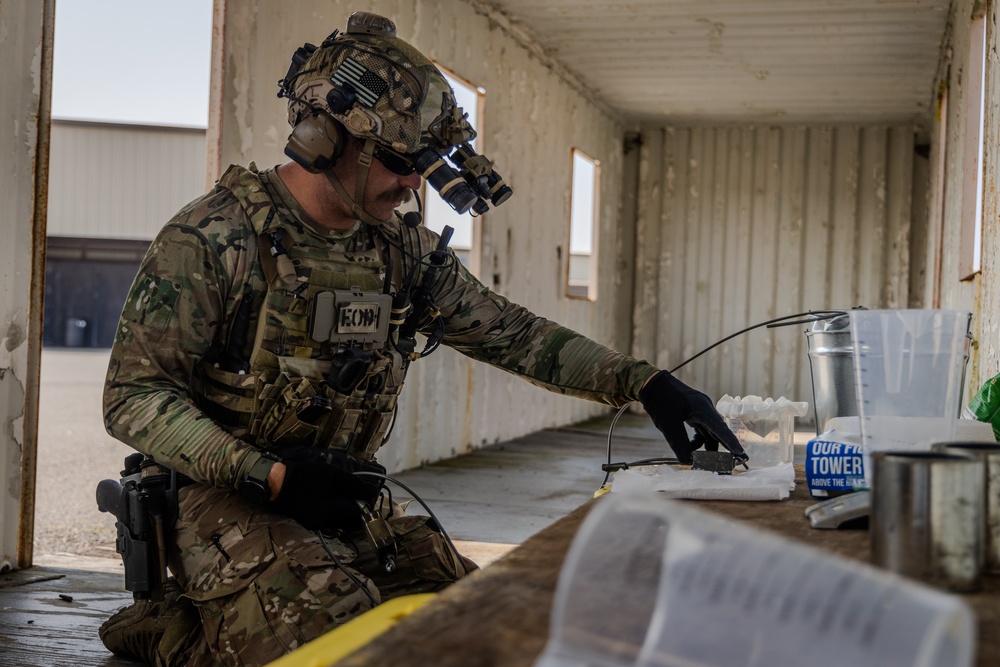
x=321, y=491
x=670, y=403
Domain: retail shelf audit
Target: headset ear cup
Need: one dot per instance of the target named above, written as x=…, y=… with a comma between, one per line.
x=316, y=142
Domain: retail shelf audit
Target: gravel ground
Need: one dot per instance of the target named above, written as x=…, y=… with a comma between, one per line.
x=74, y=454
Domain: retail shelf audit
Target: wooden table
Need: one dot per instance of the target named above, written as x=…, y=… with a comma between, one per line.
x=500, y=616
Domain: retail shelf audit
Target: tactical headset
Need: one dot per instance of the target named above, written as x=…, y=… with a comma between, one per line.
x=317, y=138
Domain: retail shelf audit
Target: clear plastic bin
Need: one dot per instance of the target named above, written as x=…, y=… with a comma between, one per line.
x=909, y=369
x=651, y=582
x=764, y=427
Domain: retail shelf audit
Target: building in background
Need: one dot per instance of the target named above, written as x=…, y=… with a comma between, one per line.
x=112, y=187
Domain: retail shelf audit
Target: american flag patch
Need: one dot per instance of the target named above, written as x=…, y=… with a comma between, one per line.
x=366, y=84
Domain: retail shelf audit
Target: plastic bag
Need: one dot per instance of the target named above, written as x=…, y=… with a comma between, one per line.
x=985, y=405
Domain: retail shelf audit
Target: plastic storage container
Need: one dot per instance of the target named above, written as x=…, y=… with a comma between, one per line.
x=655, y=582
x=765, y=427
x=909, y=367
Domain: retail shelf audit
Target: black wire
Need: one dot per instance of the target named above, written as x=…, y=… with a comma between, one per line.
x=822, y=315
x=347, y=571
x=784, y=321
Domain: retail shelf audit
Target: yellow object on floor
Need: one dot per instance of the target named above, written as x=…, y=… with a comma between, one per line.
x=349, y=637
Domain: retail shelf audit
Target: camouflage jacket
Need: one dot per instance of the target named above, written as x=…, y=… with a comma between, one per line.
x=188, y=291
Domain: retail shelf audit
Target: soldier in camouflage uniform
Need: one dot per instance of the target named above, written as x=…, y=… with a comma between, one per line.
x=257, y=358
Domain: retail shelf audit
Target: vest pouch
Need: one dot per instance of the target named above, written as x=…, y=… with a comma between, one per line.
x=375, y=431
x=270, y=387
x=295, y=414
x=343, y=420
x=424, y=561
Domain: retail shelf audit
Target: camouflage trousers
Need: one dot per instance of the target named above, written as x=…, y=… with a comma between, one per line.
x=263, y=585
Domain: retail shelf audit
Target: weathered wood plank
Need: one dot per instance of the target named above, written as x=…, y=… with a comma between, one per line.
x=39, y=628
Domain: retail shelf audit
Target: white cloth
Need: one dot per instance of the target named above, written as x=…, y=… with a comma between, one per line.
x=772, y=483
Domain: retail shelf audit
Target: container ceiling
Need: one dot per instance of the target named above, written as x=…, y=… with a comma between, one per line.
x=823, y=61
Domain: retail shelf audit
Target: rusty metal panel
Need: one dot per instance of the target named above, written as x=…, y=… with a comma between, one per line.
x=949, y=157
x=761, y=222
x=26, y=51
x=117, y=180
x=989, y=302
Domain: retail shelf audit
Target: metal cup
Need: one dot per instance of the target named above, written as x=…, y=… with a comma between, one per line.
x=990, y=453
x=927, y=519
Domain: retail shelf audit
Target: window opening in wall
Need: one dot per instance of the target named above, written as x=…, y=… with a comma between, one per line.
x=582, y=270
x=972, y=171
x=437, y=213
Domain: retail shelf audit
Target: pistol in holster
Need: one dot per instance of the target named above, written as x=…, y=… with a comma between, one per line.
x=144, y=504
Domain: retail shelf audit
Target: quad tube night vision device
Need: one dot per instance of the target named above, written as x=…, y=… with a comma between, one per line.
x=474, y=186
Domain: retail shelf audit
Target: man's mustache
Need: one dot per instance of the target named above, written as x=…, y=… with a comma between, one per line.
x=400, y=194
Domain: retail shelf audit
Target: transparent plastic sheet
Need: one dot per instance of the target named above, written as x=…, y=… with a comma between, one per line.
x=650, y=582
x=773, y=483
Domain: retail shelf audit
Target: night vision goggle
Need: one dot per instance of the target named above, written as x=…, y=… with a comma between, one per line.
x=472, y=184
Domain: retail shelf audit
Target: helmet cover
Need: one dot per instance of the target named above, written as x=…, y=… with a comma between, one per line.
x=401, y=100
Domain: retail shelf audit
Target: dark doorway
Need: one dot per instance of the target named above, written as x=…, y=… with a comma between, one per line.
x=86, y=282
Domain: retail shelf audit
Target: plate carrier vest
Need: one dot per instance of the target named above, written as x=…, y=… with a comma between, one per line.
x=285, y=398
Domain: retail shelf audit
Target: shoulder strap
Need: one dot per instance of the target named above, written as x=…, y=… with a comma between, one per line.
x=260, y=209
x=391, y=233
x=245, y=184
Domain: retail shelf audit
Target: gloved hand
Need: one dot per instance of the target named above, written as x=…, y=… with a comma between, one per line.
x=670, y=403
x=321, y=491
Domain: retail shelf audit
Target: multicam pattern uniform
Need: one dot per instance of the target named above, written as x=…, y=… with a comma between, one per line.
x=261, y=580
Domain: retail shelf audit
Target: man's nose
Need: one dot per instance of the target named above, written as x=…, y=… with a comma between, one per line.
x=411, y=181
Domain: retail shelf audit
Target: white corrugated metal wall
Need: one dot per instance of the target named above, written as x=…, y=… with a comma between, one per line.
x=114, y=180
x=741, y=224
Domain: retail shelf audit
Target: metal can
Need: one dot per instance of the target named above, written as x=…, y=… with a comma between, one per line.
x=990, y=453
x=927, y=517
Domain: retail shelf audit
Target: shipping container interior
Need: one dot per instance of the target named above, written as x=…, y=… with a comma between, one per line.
x=752, y=160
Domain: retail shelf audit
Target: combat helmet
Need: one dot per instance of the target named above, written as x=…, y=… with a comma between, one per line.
x=370, y=84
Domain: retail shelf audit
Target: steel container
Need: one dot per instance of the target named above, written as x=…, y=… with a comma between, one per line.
x=990, y=453
x=831, y=368
x=927, y=518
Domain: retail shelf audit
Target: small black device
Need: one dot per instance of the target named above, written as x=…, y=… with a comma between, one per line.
x=721, y=463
